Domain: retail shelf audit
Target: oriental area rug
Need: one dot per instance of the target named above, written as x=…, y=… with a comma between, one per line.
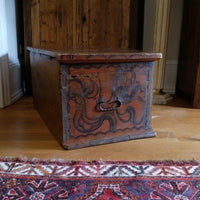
x=99, y=180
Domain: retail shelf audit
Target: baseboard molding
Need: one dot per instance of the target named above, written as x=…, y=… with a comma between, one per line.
x=16, y=96
x=169, y=91
x=13, y=64
x=15, y=79
x=5, y=97
x=170, y=76
x=161, y=98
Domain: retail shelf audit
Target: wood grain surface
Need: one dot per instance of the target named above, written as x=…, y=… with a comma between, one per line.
x=68, y=24
x=24, y=134
x=90, y=98
x=104, y=55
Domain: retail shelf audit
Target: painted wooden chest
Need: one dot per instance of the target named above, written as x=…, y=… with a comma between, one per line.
x=94, y=97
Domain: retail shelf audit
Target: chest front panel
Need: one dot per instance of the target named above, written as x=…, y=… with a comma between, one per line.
x=107, y=100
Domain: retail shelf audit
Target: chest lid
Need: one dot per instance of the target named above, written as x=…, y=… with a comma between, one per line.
x=98, y=55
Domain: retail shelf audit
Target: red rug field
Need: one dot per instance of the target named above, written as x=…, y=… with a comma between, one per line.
x=99, y=180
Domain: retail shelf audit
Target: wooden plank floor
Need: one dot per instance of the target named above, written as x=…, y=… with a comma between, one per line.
x=23, y=133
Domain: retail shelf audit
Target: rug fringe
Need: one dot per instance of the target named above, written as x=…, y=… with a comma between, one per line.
x=100, y=161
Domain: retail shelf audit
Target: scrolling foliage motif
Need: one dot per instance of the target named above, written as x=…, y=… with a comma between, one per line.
x=107, y=102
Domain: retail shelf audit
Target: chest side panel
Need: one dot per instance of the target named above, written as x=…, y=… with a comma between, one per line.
x=108, y=101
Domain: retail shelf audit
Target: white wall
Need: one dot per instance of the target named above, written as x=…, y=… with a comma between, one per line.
x=173, y=39
x=11, y=31
x=14, y=66
x=149, y=23
x=173, y=46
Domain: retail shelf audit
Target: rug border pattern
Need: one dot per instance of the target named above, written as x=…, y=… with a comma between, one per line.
x=99, y=168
